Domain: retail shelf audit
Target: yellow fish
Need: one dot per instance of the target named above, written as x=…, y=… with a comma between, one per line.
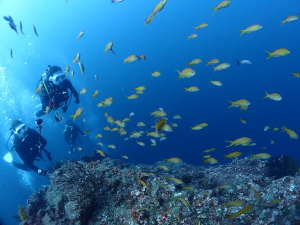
x=81, y=67
x=253, y=28
x=201, y=26
x=86, y=131
x=233, y=155
x=233, y=203
x=184, y=202
x=239, y=103
x=78, y=113
x=99, y=143
x=222, y=66
x=174, y=160
x=155, y=74
x=177, y=117
x=134, y=96
x=140, y=143
x=209, y=150
x=186, y=73
x=96, y=92
x=108, y=101
x=175, y=180
x=266, y=128
x=199, y=126
x=72, y=73
x=164, y=167
x=148, y=19
x=135, y=135
x=289, y=19
x=67, y=70
x=47, y=110
x=212, y=62
x=79, y=149
x=140, y=88
x=83, y=90
x=295, y=74
x=112, y=146
x=206, y=156
x=244, y=107
x=215, y=82
x=81, y=33
x=145, y=185
x=194, y=62
x=290, y=132
x=278, y=52
x=243, y=121
x=274, y=96
x=159, y=7
x=84, y=120
x=222, y=5
x=153, y=134
x=100, y=104
x=160, y=124
x=131, y=59
x=273, y=202
x=96, y=77
x=244, y=141
x=110, y=119
x=125, y=157
x=77, y=58
x=108, y=48
x=39, y=88
x=192, y=36
x=210, y=161
x=98, y=136
x=275, y=129
x=191, y=89
x=140, y=124
x=242, y=211
x=101, y=152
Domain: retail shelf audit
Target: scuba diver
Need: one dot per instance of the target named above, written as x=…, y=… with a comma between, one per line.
x=53, y=90
x=29, y=145
x=72, y=134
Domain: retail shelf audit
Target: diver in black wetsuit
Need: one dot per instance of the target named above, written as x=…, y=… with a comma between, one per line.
x=53, y=90
x=29, y=145
x=72, y=134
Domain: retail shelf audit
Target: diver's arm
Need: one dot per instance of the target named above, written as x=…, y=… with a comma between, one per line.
x=75, y=93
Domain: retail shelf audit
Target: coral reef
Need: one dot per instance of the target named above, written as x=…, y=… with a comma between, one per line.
x=110, y=192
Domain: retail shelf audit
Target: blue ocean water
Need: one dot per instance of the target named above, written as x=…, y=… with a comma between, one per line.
x=164, y=43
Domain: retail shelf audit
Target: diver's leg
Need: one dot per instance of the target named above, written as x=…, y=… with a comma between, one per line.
x=20, y=166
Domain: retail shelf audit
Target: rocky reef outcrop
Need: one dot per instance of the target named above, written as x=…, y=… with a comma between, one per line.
x=111, y=192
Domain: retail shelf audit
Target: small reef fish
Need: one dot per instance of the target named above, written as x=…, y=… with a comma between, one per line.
x=110, y=119
x=257, y=196
x=108, y=48
x=201, y=26
x=145, y=185
x=83, y=90
x=125, y=157
x=289, y=19
x=47, y=110
x=79, y=149
x=77, y=58
x=275, y=129
x=243, y=141
x=233, y=203
x=274, y=96
x=199, y=126
x=67, y=70
x=210, y=161
x=21, y=28
x=278, y=52
x=290, y=132
x=212, y=62
x=131, y=114
x=242, y=211
x=207, y=156
x=78, y=113
x=266, y=128
x=221, y=5
x=173, y=160
x=192, y=36
x=134, y=58
x=186, y=73
x=253, y=28
x=134, y=96
x=140, y=124
x=239, y=103
x=112, y=146
x=191, y=89
x=140, y=143
x=216, y=83
x=153, y=134
x=135, y=135
x=11, y=23
x=72, y=73
x=99, y=143
x=295, y=74
x=11, y=53
x=222, y=66
x=177, y=181
x=261, y=156
x=140, y=88
x=39, y=88
x=184, y=202
x=159, y=7
x=160, y=124
x=243, y=62
x=164, y=167
x=86, y=131
x=177, y=117
x=209, y=150
x=101, y=153
x=155, y=74
x=226, y=186
x=114, y=1
x=243, y=121
x=98, y=136
x=108, y=101
x=233, y=155
x=194, y=62
x=96, y=92
x=81, y=67
x=81, y=33
x=275, y=201
x=34, y=29
x=96, y=77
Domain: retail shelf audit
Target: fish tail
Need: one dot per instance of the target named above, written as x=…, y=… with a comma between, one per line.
x=242, y=32
x=214, y=69
x=124, y=60
x=231, y=143
x=113, y=51
x=282, y=22
x=270, y=54
x=188, y=64
x=73, y=117
x=230, y=103
x=283, y=128
x=253, y=156
x=226, y=156
x=214, y=10
x=237, y=62
x=267, y=95
x=207, y=63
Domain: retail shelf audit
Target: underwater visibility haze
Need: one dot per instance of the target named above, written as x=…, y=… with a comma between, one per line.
x=164, y=44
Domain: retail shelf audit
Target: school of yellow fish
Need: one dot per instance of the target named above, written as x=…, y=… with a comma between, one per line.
x=162, y=122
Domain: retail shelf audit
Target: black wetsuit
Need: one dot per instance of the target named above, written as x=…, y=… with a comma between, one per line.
x=29, y=149
x=58, y=95
x=72, y=134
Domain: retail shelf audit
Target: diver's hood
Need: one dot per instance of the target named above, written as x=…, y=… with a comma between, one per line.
x=58, y=77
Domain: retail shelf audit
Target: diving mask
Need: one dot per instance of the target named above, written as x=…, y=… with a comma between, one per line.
x=21, y=130
x=58, y=78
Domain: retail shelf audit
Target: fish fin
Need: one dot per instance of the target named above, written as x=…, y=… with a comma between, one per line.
x=282, y=22
x=214, y=10
x=105, y=54
x=73, y=116
x=231, y=143
x=242, y=32
x=266, y=95
x=230, y=103
x=113, y=51
x=225, y=157
x=270, y=54
x=237, y=62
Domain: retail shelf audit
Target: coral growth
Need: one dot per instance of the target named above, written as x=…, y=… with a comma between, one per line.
x=109, y=192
